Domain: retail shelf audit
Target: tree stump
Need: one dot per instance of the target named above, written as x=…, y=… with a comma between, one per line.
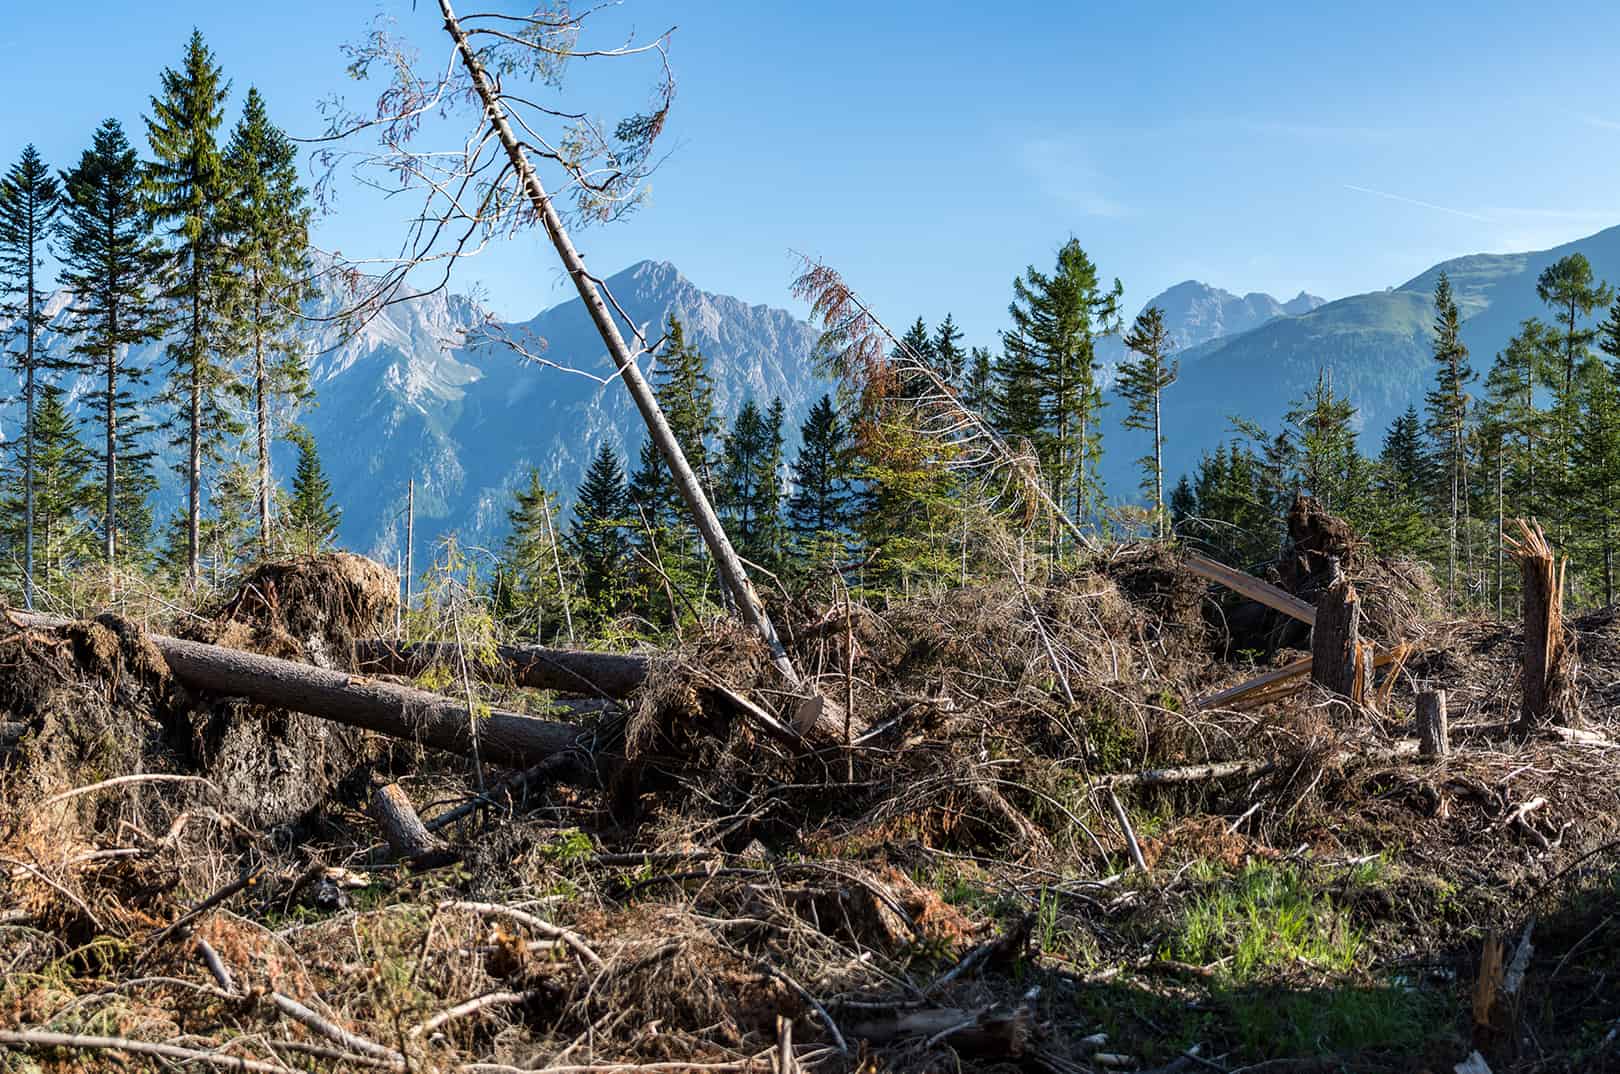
x=1548, y=671
x=1336, y=642
x=407, y=836
x=1433, y=735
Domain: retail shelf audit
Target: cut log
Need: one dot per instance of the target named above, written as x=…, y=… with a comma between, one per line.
x=1336, y=663
x=1433, y=738
x=1254, y=588
x=407, y=836
x=569, y=671
x=505, y=738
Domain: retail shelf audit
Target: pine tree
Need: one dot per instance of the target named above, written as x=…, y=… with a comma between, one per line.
x=685, y=391
x=1323, y=441
x=312, y=515
x=29, y=199
x=1016, y=402
x=1447, y=404
x=949, y=358
x=1570, y=290
x=596, y=533
x=1595, y=456
x=750, y=482
x=109, y=263
x=535, y=591
x=1060, y=315
x=62, y=496
x=1142, y=382
x=267, y=218
x=1400, y=525
x=188, y=191
x=978, y=383
x=819, y=512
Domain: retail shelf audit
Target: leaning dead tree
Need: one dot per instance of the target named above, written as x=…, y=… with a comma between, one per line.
x=888, y=380
x=489, y=186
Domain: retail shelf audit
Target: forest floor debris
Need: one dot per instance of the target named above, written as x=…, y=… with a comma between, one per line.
x=956, y=892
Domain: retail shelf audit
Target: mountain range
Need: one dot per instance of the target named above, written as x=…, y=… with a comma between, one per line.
x=430, y=391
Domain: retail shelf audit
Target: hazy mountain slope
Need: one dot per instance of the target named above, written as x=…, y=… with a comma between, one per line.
x=1376, y=346
x=469, y=419
x=408, y=395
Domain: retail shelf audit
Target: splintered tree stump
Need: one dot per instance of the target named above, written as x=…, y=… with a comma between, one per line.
x=1548, y=671
x=1336, y=642
x=407, y=836
x=1433, y=740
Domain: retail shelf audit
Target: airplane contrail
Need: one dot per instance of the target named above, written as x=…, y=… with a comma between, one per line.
x=1415, y=201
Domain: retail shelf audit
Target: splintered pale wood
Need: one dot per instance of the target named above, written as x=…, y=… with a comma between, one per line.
x=1252, y=587
x=1297, y=669
x=1280, y=682
x=1544, y=642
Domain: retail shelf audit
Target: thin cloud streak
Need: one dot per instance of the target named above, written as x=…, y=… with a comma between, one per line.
x=1421, y=204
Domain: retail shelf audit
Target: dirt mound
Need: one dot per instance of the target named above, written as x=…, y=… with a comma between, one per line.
x=311, y=608
x=282, y=766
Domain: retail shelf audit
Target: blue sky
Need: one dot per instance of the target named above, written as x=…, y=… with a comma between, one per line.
x=932, y=150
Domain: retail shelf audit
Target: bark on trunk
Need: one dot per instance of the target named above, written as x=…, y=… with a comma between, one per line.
x=564, y=670
x=262, y=389
x=194, y=440
x=1336, y=642
x=403, y=829
x=505, y=738
x=1433, y=735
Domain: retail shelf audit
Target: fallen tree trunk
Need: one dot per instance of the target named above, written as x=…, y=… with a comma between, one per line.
x=569, y=671
x=505, y=738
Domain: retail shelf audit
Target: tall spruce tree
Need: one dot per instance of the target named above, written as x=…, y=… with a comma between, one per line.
x=109, y=263
x=1323, y=441
x=536, y=594
x=187, y=191
x=949, y=358
x=267, y=219
x=1142, y=381
x=29, y=199
x=685, y=391
x=1060, y=316
x=1400, y=524
x=751, y=484
x=312, y=515
x=819, y=513
x=62, y=496
x=1569, y=288
x=596, y=533
x=1448, y=414
x=1595, y=456
x=978, y=383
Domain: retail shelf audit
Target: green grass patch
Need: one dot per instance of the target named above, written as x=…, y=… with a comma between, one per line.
x=1266, y=918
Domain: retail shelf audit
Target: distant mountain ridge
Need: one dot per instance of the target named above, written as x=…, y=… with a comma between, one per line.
x=411, y=397
x=422, y=392
x=1197, y=312
x=1376, y=347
